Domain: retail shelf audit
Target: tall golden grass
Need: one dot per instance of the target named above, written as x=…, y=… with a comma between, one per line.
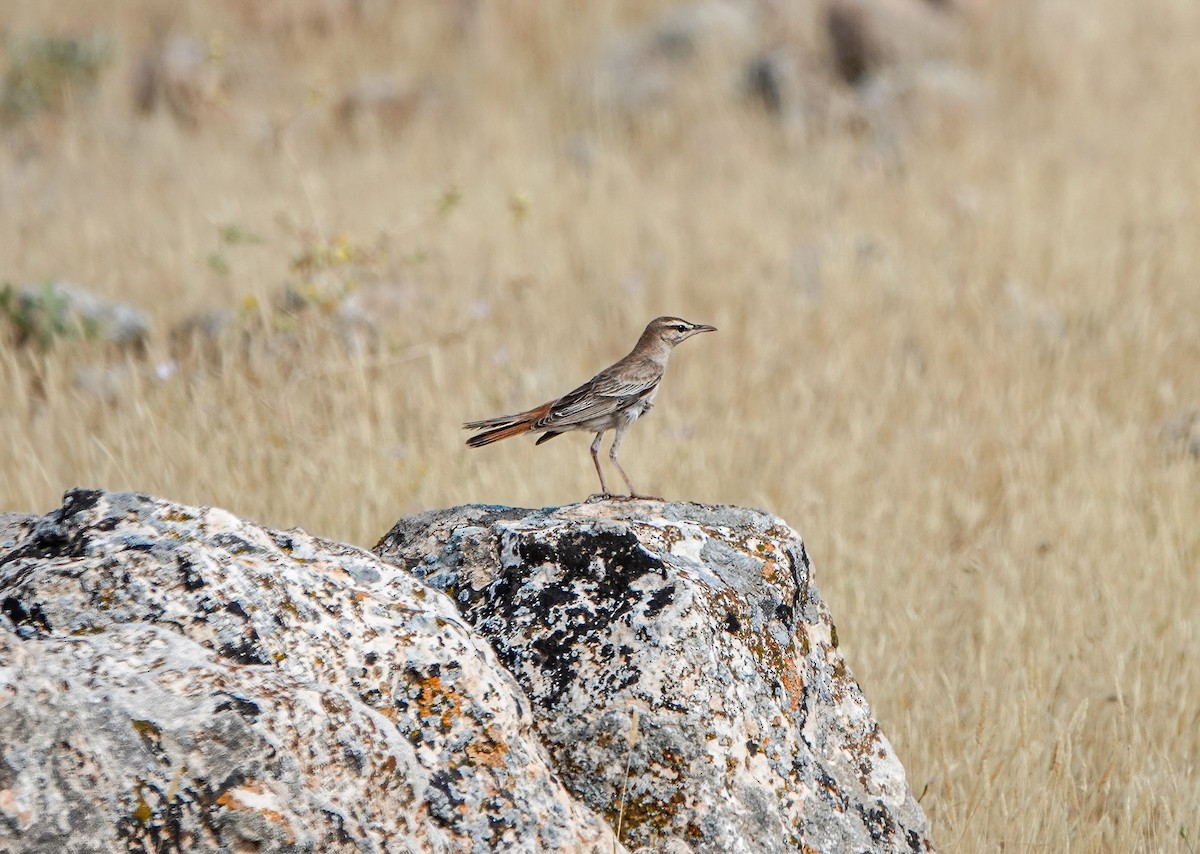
x=944, y=361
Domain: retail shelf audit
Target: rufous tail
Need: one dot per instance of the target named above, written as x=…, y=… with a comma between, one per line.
x=495, y=429
x=498, y=433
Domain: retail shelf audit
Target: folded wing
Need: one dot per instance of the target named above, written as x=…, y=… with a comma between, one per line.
x=600, y=397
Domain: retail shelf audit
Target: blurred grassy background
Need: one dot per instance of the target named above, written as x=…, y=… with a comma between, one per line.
x=951, y=329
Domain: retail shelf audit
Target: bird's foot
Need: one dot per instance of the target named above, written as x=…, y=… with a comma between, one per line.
x=633, y=496
x=599, y=496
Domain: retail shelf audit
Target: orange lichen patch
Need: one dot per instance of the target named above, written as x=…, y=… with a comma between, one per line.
x=437, y=698
x=656, y=814
x=251, y=786
x=253, y=796
x=793, y=684
x=770, y=571
x=8, y=805
x=670, y=536
x=779, y=532
x=489, y=753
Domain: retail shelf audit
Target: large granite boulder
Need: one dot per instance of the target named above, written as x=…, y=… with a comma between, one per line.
x=684, y=672
x=176, y=678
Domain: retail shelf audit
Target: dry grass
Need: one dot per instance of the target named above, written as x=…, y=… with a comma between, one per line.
x=962, y=423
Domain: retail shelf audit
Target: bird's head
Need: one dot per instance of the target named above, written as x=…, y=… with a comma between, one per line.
x=672, y=330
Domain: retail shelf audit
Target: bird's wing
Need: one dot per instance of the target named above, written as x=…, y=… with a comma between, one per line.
x=604, y=394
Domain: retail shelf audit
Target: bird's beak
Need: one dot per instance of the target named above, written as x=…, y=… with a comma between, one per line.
x=702, y=327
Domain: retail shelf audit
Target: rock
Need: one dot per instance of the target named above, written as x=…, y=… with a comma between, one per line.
x=42, y=314
x=283, y=19
x=1027, y=312
x=368, y=311
x=175, y=678
x=792, y=60
x=793, y=87
x=14, y=526
x=378, y=103
x=48, y=74
x=348, y=302
x=1181, y=433
x=106, y=383
x=868, y=36
x=703, y=43
x=182, y=73
x=750, y=732
x=205, y=336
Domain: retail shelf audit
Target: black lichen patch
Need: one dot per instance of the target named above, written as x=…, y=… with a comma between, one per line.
x=284, y=542
x=235, y=779
x=140, y=545
x=246, y=708
x=915, y=843
x=499, y=818
x=660, y=600
x=78, y=501
x=442, y=798
x=785, y=614
x=550, y=597
x=244, y=651
x=192, y=580
x=33, y=616
x=59, y=535
x=154, y=828
x=536, y=552
x=621, y=556
x=50, y=542
x=732, y=624
x=339, y=826
x=591, y=588
x=879, y=823
x=832, y=789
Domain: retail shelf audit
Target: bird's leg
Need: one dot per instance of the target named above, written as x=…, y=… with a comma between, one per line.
x=622, y=426
x=604, y=493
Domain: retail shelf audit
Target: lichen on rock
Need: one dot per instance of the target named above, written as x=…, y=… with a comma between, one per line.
x=175, y=678
x=489, y=679
x=752, y=733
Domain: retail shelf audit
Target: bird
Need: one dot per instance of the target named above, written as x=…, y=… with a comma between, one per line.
x=611, y=400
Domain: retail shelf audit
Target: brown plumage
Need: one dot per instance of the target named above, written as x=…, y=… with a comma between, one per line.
x=611, y=400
